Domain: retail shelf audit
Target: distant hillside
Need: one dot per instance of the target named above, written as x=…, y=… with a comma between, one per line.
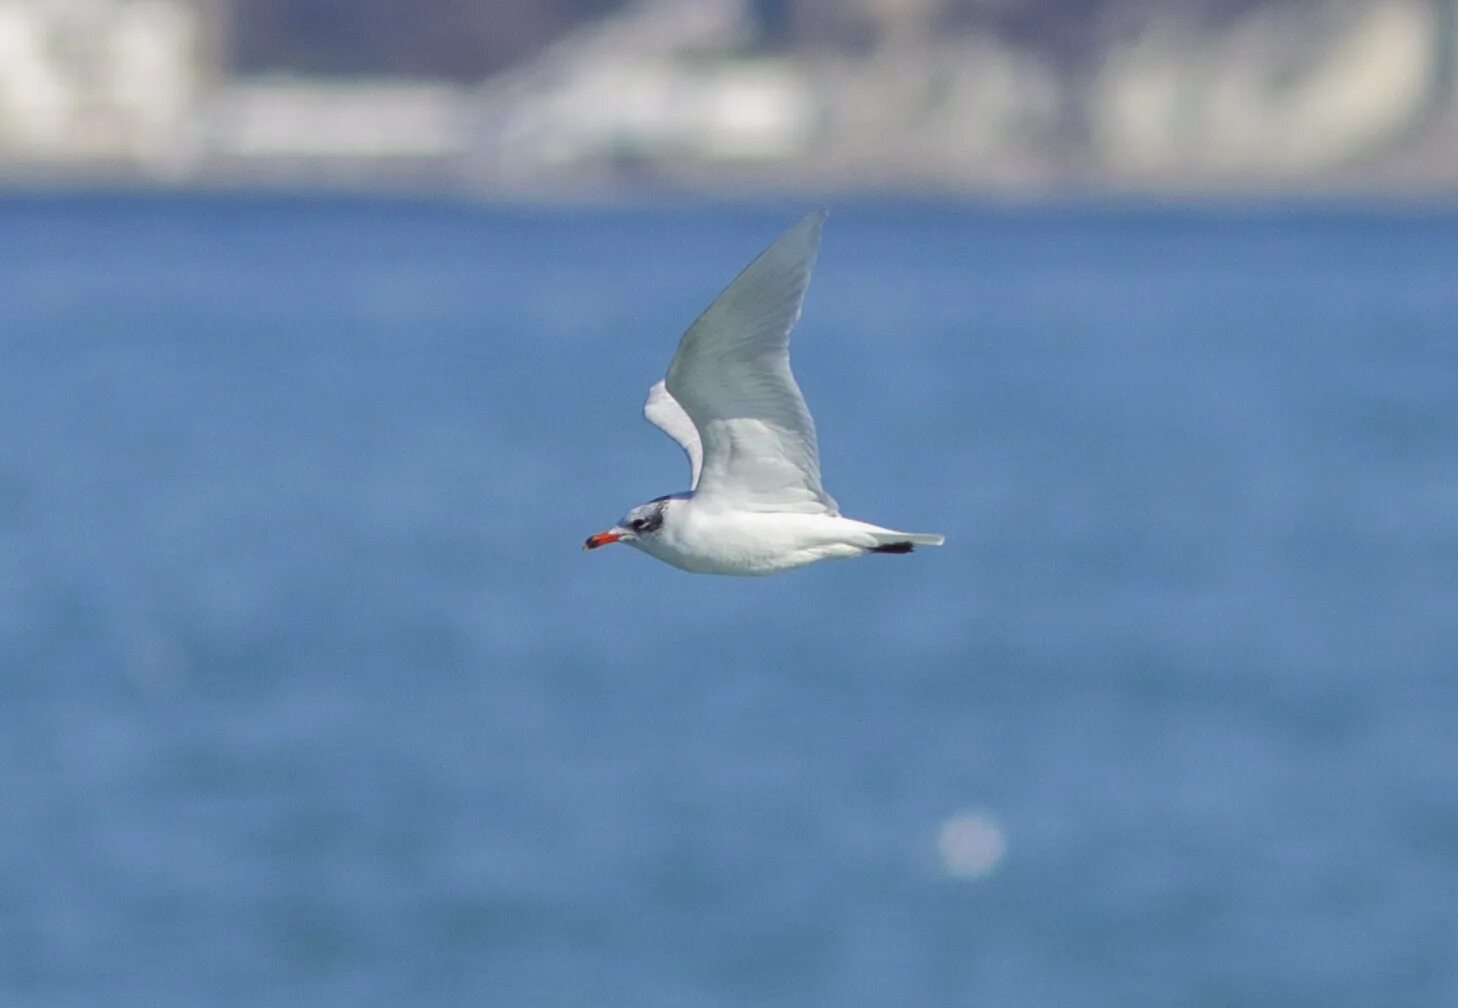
x=462, y=41
x=467, y=41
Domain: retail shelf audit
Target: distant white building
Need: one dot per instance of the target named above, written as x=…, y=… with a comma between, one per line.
x=100, y=82
x=656, y=84
x=1284, y=92
x=299, y=121
x=660, y=110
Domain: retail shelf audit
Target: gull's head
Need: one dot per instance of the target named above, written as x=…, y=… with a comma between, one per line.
x=640, y=524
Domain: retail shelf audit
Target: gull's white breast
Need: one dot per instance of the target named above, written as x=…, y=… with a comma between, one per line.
x=708, y=540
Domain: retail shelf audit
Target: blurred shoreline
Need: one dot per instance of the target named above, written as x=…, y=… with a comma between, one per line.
x=673, y=97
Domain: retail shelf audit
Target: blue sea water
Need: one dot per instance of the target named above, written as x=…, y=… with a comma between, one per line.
x=308, y=695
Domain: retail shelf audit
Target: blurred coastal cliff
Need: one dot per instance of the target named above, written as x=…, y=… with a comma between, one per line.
x=580, y=97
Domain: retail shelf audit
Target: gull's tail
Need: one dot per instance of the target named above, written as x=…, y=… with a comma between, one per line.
x=888, y=541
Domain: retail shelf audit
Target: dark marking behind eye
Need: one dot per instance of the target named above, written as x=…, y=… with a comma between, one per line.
x=650, y=523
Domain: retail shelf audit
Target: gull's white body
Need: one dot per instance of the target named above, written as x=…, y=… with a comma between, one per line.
x=731, y=402
x=705, y=541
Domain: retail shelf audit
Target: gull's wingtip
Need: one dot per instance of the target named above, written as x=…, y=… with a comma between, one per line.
x=804, y=237
x=810, y=224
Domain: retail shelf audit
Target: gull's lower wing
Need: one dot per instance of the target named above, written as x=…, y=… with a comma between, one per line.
x=663, y=411
x=731, y=376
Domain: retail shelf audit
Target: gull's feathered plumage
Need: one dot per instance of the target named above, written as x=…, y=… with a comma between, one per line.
x=756, y=504
x=731, y=376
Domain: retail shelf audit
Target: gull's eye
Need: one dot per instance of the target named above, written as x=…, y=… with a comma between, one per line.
x=637, y=524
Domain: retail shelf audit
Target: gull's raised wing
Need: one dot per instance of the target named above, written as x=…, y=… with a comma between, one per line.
x=663, y=411
x=731, y=376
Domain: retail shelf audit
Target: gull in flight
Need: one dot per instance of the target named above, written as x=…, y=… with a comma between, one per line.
x=756, y=505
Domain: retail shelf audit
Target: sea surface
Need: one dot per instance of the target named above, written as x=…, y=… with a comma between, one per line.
x=309, y=696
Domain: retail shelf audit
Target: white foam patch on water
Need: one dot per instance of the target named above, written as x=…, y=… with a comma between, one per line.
x=971, y=844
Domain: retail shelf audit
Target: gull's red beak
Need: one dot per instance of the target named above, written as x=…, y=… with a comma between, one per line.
x=600, y=539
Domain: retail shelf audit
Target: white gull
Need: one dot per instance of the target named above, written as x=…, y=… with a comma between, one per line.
x=756, y=505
